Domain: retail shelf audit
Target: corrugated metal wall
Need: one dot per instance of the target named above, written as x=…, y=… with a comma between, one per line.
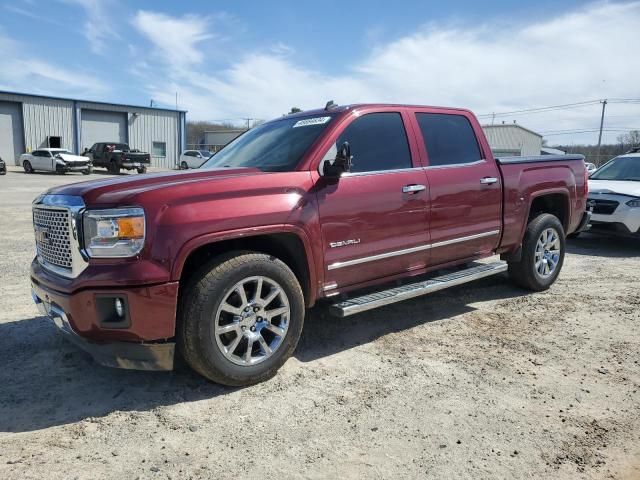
x=44, y=117
x=148, y=125
x=512, y=138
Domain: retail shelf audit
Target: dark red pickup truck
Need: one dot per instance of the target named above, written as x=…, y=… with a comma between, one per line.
x=361, y=206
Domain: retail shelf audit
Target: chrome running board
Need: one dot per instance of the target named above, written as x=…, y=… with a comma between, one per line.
x=412, y=290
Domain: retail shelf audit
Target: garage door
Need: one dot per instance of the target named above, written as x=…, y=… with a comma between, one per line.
x=99, y=126
x=11, y=137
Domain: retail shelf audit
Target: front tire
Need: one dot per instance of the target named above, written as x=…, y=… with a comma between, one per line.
x=142, y=170
x=27, y=166
x=542, y=254
x=114, y=168
x=241, y=318
x=184, y=166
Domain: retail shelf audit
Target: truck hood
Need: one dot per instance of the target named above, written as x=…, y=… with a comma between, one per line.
x=628, y=188
x=131, y=188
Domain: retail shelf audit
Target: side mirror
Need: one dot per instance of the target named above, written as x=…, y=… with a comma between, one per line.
x=341, y=164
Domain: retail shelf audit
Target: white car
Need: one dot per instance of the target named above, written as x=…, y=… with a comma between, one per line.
x=614, y=192
x=193, y=158
x=56, y=160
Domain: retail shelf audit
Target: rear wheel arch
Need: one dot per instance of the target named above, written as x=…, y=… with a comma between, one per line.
x=555, y=203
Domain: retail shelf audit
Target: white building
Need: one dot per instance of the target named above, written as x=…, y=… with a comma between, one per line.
x=29, y=122
x=214, y=140
x=511, y=139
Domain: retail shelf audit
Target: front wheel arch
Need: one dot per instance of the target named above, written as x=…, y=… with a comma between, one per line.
x=290, y=247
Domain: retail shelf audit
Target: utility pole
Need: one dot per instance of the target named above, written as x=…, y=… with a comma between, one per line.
x=248, y=122
x=604, y=104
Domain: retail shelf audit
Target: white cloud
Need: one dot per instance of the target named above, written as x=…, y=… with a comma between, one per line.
x=25, y=73
x=585, y=54
x=98, y=28
x=177, y=40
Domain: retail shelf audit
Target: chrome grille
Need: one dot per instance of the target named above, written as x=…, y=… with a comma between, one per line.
x=53, y=236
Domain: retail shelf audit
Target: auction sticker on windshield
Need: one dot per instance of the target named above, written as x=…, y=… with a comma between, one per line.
x=311, y=121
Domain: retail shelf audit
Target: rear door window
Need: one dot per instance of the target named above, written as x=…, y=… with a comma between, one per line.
x=378, y=142
x=448, y=139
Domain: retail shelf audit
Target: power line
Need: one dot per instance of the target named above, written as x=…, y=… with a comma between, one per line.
x=565, y=106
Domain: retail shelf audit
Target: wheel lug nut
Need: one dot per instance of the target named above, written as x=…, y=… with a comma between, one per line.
x=247, y=309
x=253, y=329
x=244, y=328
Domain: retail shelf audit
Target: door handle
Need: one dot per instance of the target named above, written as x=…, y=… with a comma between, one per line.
x=488, y=180
x=413, y=188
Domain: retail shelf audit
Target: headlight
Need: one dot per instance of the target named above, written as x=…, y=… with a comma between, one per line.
x=117, y=232
x=634, y=203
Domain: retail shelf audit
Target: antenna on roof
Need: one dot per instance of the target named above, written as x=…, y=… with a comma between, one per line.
x=330, y=104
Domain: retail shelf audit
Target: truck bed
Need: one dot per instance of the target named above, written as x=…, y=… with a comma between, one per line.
x=527, y=177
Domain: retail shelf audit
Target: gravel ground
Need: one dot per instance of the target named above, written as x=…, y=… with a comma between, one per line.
x=481, y=381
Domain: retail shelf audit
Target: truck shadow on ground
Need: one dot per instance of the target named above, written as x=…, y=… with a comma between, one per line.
x=604, y=246
x=46, y=381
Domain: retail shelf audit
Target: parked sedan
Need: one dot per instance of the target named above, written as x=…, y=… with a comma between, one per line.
x=56, y=160
x=3, y=167
x=614, y=192
x=193, y=158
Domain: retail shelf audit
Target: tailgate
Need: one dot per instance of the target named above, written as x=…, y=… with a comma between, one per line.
x=144, y=158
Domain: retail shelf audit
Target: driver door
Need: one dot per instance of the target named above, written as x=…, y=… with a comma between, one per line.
x=374, y=219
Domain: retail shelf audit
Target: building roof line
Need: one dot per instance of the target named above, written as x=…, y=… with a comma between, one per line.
x=67, y=99
x=503, y=125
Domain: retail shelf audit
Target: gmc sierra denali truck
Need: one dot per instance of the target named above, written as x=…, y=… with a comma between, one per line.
x=360, y=206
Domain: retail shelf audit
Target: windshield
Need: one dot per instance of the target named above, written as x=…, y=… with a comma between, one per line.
x=205, y=153
x=56, y=152
x=621, y=168
x=276, y=146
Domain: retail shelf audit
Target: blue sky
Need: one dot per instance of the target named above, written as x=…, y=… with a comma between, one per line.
x=228, y=60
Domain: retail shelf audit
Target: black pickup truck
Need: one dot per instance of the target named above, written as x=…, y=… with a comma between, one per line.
x=116, y=156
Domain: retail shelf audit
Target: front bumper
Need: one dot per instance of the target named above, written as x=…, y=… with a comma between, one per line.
x=76, y=167
x=143, y=343
x=137, y=356
x=623, y=218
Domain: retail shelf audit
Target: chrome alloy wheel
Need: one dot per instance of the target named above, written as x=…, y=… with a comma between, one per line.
x=252, y=320
x=547, y=253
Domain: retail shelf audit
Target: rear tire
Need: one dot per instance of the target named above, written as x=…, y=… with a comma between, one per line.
x=184, y=166
x=114, y=168
x=142, y=170
x=217, y=324
x=27, y=166
x=542, y=254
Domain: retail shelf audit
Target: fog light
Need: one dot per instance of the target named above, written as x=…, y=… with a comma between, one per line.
x=119, y=306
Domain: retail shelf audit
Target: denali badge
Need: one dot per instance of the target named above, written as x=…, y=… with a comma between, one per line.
x=42, y=235
x=344, y=243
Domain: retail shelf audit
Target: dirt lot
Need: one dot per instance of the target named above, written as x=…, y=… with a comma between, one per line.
x=482, y=381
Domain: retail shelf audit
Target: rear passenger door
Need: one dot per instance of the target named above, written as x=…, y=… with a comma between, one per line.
x=374, y=219
x=465, y=187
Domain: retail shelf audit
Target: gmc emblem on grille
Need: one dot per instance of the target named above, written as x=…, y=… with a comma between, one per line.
x=42, y=235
